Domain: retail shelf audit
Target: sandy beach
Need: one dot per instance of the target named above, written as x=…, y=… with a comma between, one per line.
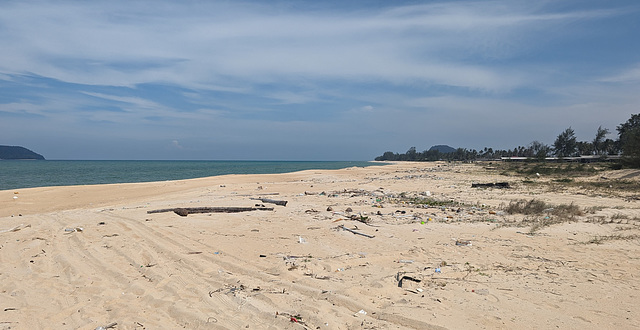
x=400, y=246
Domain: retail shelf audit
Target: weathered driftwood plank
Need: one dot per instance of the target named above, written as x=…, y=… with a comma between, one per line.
x=272, y=201
x=184, y=211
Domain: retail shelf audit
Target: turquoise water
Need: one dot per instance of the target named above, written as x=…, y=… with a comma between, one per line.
x=16, y=174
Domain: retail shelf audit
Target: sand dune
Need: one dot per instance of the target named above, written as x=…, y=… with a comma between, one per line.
x=89, y=256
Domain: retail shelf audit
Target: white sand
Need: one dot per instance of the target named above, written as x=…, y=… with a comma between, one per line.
x=250, y=269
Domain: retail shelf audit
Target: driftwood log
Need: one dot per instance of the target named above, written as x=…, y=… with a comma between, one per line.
x=490, y=185
x=184, y=211
x=272, y=201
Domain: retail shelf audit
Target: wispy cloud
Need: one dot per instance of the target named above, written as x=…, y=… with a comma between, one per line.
x=213, y=69
x=201, y=43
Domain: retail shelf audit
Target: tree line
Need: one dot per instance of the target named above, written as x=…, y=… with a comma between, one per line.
x=566, y=145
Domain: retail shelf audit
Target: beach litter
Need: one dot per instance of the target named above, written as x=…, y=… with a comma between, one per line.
x=16, y=228
x=400, y=277
x=483, y=292
x=108, y=326
x=463, y=243
x=73, y=230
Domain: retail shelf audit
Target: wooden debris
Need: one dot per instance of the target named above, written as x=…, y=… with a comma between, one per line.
x=271, y=201
x=491, y=185
x=222, y=209
x=355, y=232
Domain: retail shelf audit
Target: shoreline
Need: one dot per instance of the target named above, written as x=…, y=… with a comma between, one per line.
x=87, y=256
x=36, y=199
x=56, y=173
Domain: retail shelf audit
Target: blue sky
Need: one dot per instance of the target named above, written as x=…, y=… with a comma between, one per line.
x=310, y=80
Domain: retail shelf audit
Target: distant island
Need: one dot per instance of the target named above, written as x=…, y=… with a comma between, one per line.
x=15, y=152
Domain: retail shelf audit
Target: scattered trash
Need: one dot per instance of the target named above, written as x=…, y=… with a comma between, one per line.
x=404, y=277
x=483, y=292
x=293, y=318
x=301, y=240
x=438, y=270
x=362, y=312
x=402, y=261
x=16, y=228
x=463, y=243
x=108, y=326
x=73, y=230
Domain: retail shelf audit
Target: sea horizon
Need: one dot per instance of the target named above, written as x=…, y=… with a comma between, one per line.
x=20, y=174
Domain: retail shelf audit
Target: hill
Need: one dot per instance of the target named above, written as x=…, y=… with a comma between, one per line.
x=443, y=149
x=15, y=152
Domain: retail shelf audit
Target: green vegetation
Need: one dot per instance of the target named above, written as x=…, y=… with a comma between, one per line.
x=565, y=145
x=629, y=133
x=541, y=214
x=616, y=237
x=430, y=202
x=538, y=207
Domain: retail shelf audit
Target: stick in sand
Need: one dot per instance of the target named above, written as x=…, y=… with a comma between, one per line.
x=355, y=232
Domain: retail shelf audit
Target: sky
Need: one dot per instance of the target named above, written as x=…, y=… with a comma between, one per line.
x=310, y=80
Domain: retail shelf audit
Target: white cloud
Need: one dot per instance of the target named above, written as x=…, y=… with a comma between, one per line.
x=630, y=75
x=198, y=44
x=175, y=145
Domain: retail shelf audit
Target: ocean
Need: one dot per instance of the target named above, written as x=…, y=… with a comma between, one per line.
x=15, y=174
